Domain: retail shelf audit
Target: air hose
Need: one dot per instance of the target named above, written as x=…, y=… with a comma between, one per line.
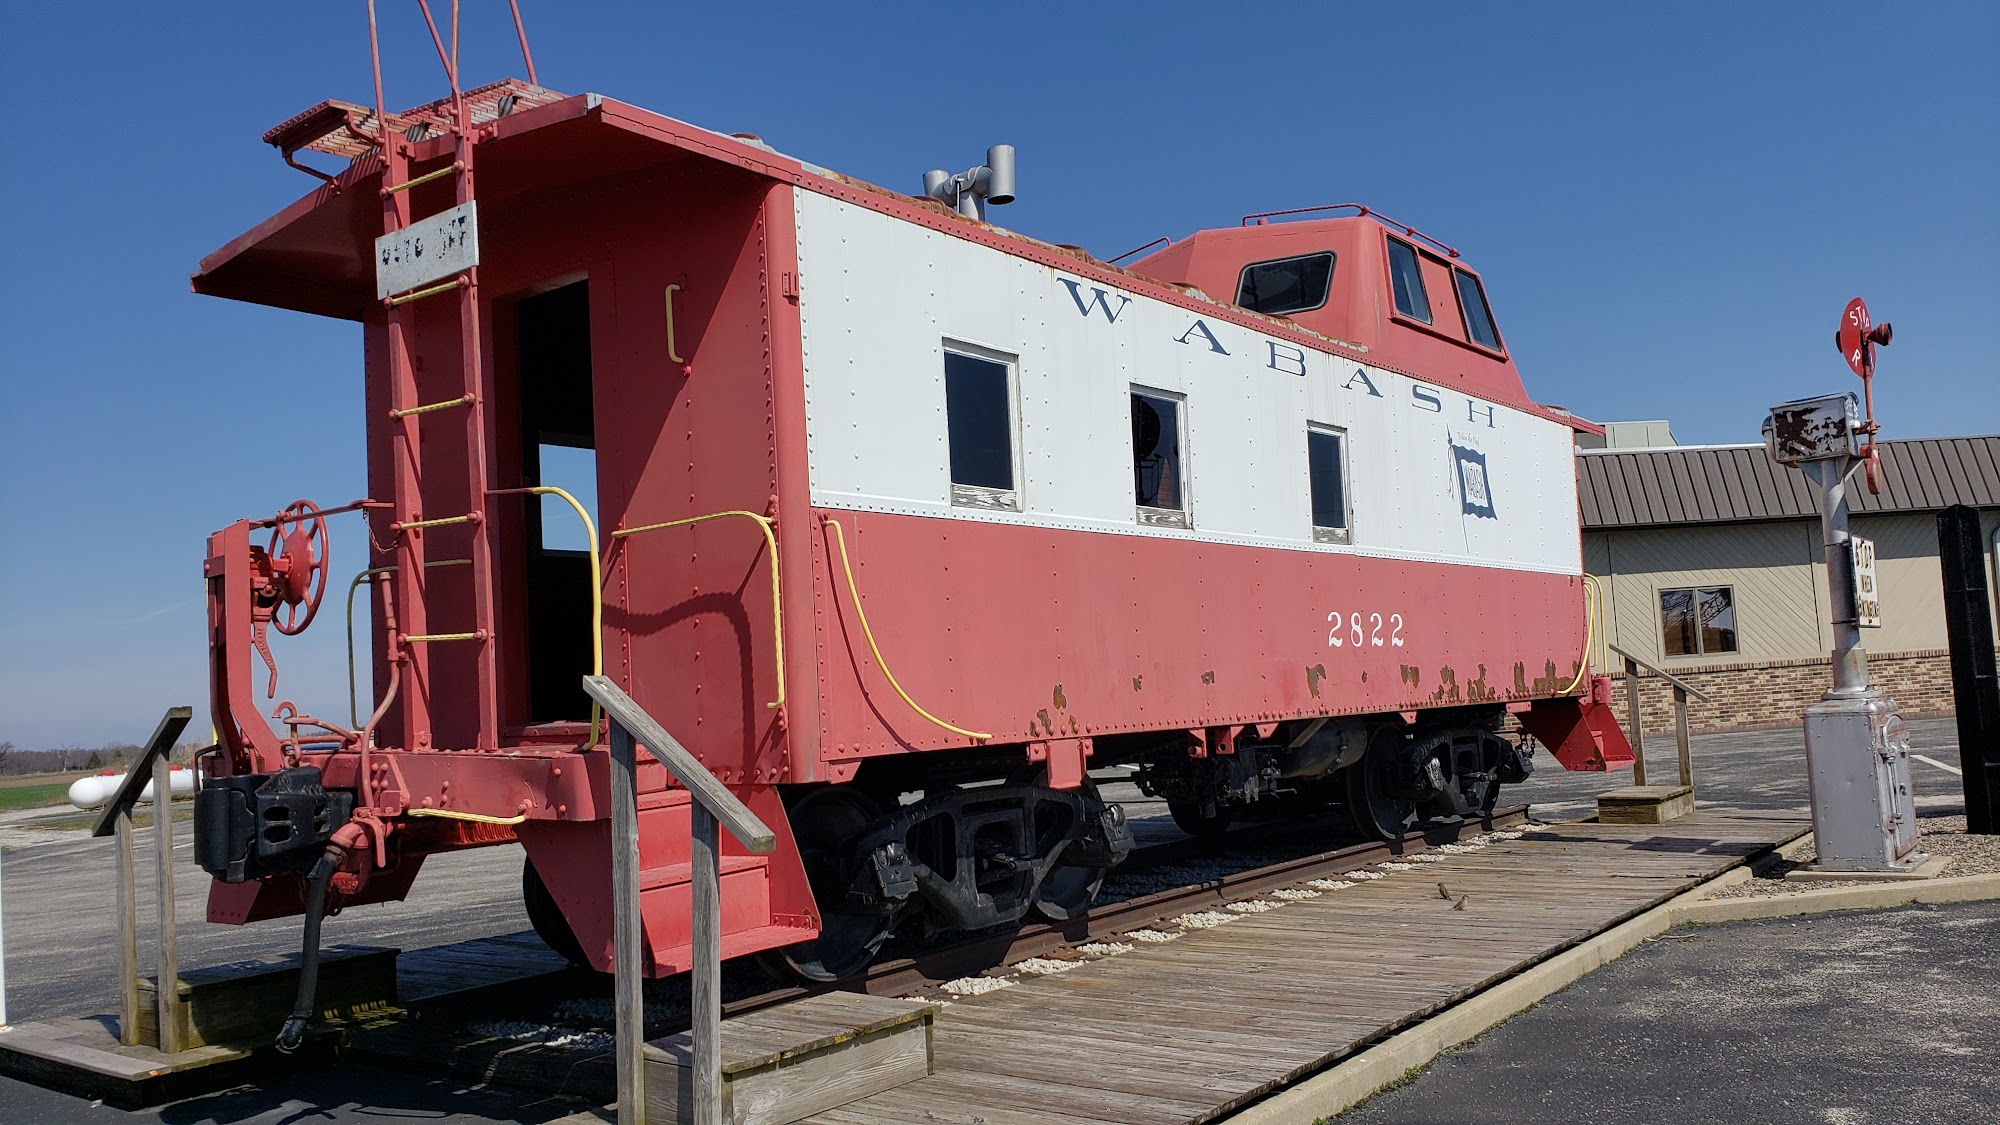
x=294, y=1031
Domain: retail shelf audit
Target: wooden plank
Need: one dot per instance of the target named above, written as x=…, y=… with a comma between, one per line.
x=128, y=935
x=168, y=964
x=627, y=938
x=804, y=1083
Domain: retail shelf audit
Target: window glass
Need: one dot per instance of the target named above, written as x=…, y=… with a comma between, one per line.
x=574, y=470
x=1478, y=317
x=1698, y=621
x=1408, y=281
x=1156, y=451
x=979, y=420
x=1287, y=285
x=1328, y=479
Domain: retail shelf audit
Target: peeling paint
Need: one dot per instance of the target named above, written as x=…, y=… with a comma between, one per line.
x=1062, y=703
x=1478, y=690
x=1043, y=715
x=1314, y=674
x=1448, y=690
x=1208, y=677
x=1520, y=678
x=1548, y=683
x=1138, y=683
x=1412, y=676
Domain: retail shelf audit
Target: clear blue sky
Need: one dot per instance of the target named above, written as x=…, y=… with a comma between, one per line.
x=1670, y=204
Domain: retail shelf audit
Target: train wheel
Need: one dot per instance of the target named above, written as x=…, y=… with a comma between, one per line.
x=1189, y=819
x=825, y=823
x=1375, y=812
x=1069, y=889
x=547, y=918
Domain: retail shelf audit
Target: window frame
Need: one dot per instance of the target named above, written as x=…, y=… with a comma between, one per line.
x=1147, y=514
x=1428, y=322
x=1700, y=652
x=1343, y=535
x=1332, y=264
x=975, y=495
x=1499, y=346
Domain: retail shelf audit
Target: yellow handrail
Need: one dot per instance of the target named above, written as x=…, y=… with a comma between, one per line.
x=1593, y=625
x=777, y=596
x=476, y=818
x=368, y=576
x=596, y=583
x=861, y=615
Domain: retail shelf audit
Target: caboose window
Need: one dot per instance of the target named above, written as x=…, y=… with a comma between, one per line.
x=979, y=422
x=1287, y=285
x=1698, y=621
x=1407, y=279
x=1478, y=317
x=1326, y=461
x=1158, y=459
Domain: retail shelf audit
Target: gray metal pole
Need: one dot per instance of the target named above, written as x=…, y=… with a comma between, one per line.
x=1850, y=660
x=707, y=970
x=168, y=993
x=627, y=933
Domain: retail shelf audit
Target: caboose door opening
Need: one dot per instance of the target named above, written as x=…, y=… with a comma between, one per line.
x=558, y=437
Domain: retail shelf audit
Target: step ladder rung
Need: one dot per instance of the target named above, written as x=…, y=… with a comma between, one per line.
x=427, y=177
x=440, y=638
x=433, y=407
x=441, y=521
x=430, y=291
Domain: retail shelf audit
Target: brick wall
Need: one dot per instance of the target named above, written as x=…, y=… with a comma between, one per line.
x=1774, y=693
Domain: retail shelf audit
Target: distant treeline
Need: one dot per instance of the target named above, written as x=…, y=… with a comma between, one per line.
x=15, y=761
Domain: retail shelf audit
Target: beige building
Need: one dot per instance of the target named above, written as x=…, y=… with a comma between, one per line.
x=1711, y=567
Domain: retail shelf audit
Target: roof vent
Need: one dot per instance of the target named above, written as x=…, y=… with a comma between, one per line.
x=970, y=191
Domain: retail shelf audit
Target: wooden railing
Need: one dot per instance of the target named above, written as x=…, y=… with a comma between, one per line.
x=712, y=804
x=152, y=765
x=1682, y=689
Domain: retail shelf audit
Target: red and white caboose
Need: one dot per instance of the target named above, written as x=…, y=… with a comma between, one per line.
x=906, y=522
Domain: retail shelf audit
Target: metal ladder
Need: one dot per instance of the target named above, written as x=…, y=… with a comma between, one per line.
x=408, y=414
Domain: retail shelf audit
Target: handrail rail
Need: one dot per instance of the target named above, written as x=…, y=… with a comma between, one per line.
x=777, y=591
x=1662, y=673
x=171, y=724
x=713, y=807
x=685, y=767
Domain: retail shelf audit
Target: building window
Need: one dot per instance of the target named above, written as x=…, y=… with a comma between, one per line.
x=1159, y=458
x=1326, y=460
x=1478, y=317
x=1287, y=285
x=979, y=423
x=1406, y=277
x=1698, y=621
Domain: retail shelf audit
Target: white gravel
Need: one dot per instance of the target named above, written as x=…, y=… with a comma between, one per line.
x=973, y=986
x=1043, y=966
x=1202, y=920
x=1152, y=937
x=1253, y=906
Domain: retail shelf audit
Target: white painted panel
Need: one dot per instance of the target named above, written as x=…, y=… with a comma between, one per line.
x=880, y=297
x=427, y=250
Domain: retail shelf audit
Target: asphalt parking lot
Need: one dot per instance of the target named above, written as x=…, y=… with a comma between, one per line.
x=1885, y=1018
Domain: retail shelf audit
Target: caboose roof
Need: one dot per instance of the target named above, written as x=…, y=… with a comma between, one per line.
x=315, y=256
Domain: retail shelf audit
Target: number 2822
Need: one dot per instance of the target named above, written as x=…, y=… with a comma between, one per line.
x=1364, y=630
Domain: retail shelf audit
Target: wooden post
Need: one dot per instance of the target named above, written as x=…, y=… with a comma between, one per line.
x=1681, y=735
x=168, y=965
x=1638, y=724
x=128, y=935
x=627, y=965
x=706, y=1009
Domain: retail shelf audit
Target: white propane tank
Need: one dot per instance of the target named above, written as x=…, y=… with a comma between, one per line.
x=97, y=790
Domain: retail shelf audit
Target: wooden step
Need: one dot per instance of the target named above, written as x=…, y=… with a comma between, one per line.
x=787, y=1063
x=680, y=874
x=1645, y=804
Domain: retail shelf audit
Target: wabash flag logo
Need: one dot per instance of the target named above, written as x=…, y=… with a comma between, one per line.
x=1474, y=490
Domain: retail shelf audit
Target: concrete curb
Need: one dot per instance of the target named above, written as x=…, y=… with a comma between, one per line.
x=1346, y=1084
x=1963, y=888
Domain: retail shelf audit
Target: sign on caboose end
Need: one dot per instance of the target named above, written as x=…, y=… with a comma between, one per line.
x=427, y=250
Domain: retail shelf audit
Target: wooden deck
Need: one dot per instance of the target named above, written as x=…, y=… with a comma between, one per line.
x=1189, y=1030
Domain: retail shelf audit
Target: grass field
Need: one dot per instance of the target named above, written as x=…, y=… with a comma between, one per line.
x=34, y=793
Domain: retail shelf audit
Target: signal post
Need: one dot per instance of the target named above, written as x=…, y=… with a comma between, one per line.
x=1857, y=747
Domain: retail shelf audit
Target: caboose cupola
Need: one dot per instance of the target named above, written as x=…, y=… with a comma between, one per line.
x=1404, y=299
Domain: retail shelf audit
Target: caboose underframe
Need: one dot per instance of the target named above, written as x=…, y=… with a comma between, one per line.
x=792, y=583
